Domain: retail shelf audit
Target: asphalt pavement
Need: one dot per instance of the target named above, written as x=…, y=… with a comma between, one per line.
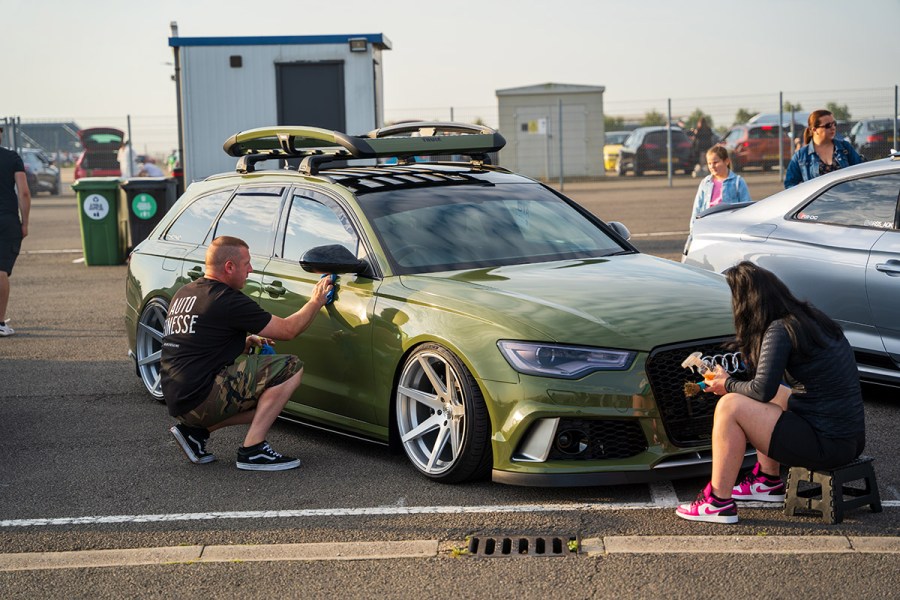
x=90, y=473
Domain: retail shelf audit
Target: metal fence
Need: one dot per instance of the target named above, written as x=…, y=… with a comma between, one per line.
x=156, y=135
x=722, y=112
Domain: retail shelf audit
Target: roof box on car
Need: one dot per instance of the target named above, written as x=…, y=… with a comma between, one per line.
x=402, y=141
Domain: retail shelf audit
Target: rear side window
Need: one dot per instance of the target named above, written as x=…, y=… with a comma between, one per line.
x=869, y=202
x=768, y=132
x=192, y=225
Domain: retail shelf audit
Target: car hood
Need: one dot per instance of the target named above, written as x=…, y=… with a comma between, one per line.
x=634, y=301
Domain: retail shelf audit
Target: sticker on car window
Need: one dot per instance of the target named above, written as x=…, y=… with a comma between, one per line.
x=878, y=224
x=802, y=216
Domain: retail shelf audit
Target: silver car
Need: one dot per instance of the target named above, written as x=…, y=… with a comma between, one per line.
x=835, y=241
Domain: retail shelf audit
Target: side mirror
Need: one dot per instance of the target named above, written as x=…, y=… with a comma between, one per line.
x=620, y=229
x=333, y=258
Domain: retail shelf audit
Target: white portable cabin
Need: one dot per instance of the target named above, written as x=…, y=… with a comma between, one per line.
x=529, y=119
x=231, y=84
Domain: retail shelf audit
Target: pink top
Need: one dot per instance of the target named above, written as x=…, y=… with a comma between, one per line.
x=716, y=196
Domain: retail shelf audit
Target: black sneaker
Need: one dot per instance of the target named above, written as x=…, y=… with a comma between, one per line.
x=193, y=441
x=262, y=457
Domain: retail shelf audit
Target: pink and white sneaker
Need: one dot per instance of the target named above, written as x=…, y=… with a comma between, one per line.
x=708, y=509
x=759, y=487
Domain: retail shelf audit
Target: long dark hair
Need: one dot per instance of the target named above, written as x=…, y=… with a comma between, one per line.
x=758, y=298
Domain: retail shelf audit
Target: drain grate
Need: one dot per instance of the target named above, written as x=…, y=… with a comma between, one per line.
x=496, y=547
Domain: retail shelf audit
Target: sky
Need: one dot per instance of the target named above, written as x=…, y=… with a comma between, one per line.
x=103, y=59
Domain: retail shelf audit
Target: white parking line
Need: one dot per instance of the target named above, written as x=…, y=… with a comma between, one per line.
x=668, y=503
x=662, y=493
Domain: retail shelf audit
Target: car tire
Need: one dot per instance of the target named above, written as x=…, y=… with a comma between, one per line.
x=638, y=171
x=442, y=421
x=54, y=191
x=148, y=345
x=736, y=166
x=620, y=167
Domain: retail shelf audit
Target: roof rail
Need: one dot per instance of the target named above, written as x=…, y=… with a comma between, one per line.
x=430, y=128
x=401, y=141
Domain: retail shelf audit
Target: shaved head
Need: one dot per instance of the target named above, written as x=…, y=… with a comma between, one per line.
x=223, y=249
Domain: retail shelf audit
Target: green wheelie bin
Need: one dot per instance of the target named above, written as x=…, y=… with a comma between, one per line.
x=142, y=203
x=98, y=217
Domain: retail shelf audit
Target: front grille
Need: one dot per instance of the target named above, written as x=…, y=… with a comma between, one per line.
x=688, y=421
x=602, y=439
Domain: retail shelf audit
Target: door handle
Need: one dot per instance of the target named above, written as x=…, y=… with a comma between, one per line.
x=195, y=273
x=891, y=267
x=275, y=289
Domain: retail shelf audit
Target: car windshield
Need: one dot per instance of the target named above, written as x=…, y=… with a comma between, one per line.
x=444, y=228
x=880, y=124
x=734, y=135
x=616, y=138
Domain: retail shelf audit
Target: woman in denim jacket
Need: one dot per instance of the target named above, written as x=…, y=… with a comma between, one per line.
x=721, y=186
x=821, y=153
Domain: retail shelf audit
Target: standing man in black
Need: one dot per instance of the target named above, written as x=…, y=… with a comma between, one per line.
x=702, y=142
x=14, y=210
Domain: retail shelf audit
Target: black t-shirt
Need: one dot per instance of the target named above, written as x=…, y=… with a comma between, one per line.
x=10, y=164
x=205, y=330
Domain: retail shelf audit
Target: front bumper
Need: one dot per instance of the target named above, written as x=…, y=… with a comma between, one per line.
x=693, y=465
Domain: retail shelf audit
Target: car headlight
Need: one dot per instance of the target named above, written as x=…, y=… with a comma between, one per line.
x=564, y=362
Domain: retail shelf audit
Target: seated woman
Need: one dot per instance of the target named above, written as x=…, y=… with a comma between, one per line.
x=817, y=423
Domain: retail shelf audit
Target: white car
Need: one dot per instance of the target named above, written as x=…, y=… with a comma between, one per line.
x=834, y=241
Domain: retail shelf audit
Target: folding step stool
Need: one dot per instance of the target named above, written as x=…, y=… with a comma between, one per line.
x=824, y=491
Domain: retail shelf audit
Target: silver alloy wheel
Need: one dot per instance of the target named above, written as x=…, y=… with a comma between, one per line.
x=431, y=413
x=148, y=345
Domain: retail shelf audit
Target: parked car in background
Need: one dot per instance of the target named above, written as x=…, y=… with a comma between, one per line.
x=100, y=156
x=42, y=174
x=873, y=138
x=801, y=118
x=614, y=141
x=30, y=179
x=483, y=322
x=844, y=128
x=756, y=146
x=834, y=240
x=645, y=149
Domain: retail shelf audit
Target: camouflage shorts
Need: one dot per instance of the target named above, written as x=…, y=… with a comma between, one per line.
x=237, y=387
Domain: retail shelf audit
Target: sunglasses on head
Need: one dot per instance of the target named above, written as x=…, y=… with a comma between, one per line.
x=831, y=125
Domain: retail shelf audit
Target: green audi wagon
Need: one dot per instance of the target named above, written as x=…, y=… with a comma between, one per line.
x=483, y=323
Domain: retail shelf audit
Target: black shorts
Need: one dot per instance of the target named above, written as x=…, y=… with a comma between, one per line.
x=795, y=443
x=10, y=243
